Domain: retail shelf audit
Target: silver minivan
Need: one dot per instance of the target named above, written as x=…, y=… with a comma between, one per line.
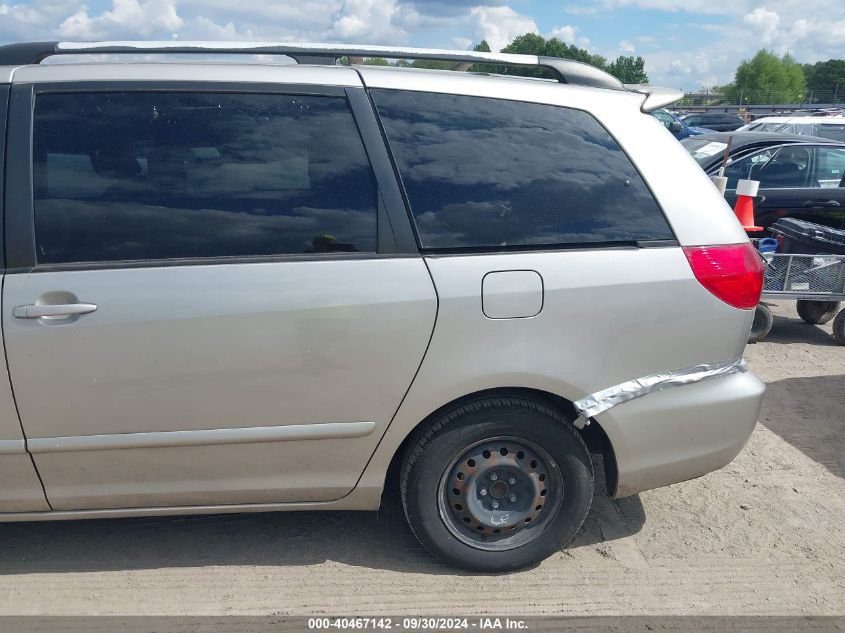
x=238, y=287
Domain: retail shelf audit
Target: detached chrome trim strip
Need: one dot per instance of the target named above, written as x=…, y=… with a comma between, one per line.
x=12, y=447
x=210, y=437
x=599, y=402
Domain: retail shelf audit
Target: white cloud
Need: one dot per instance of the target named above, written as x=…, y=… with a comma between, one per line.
x=711, y=7
x=564, y=33
x=462, y=42
x=126, y=18
x=569, y=35
x=763, y=23
x=808, y=38
x=811, y=30
x=359, y=20
x=207, y=29
x=500, y=25
x=36, y=20
x=626, y=47
x=687, y=70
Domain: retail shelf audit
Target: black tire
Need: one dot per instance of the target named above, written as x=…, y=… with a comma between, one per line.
x=762, y=324
x=839, y=328
x=816, y=312
x=552, y=452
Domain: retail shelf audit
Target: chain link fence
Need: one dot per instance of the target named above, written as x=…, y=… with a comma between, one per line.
x=754, y=100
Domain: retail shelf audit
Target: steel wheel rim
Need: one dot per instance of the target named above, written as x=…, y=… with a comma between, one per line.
x=500, y=493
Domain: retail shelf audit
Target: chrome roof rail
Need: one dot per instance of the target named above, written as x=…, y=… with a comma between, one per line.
x=566, y=70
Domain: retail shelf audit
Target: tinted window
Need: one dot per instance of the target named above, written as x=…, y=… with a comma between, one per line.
x=773, y=127
x=665, y=118
x=142, y=175
x=743, y=168
x=491, y=173
x=775, y=168
x=829, y=168
x=830, y=130
x=788, y=168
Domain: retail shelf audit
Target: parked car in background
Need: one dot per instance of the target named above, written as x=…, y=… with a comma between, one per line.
x=832, y=128
x=719, y=121
x=817, y=112
x=709, y=148
x=800, y=177
x=677, y=126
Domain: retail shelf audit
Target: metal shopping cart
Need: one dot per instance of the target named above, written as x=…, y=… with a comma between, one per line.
x=816, y=282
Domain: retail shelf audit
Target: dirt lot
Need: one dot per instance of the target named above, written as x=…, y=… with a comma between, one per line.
x=762, y=536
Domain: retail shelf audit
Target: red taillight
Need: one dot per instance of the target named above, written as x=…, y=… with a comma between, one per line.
x=733, y=273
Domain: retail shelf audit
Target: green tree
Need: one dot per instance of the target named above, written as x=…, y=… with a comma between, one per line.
x=826, y=79
x=767, y=78
x=533, y=44
x=370, y=61
x=628, y=69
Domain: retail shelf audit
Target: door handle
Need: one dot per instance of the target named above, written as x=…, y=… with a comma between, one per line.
x=820, y=204
x=54, y=310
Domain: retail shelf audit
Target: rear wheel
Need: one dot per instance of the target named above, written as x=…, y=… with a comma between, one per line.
x=839, y=328
x=816, y=312
x=762, y=324
x=497, y=484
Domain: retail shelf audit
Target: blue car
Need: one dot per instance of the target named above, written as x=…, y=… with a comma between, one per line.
x=676, y=126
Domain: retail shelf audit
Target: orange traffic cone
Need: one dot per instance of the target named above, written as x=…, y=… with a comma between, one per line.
x=746, y=190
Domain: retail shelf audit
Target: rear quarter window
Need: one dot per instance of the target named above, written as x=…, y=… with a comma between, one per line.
x=489, y=173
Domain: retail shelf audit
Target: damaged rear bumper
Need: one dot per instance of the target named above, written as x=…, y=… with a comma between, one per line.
x=662, y=435
x=606, y=399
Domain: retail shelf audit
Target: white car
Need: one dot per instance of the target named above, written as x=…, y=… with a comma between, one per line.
x=826, y=127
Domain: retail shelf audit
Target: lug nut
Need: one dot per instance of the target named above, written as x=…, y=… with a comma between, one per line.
x=512, y=498
x=494, y=477
x=512, y=481
x=483, y=492
x=495, y=504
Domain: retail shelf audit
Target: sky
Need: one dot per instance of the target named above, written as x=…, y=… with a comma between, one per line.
x=687, y=44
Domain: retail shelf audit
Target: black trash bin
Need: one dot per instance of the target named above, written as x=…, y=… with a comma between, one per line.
x=808, y=238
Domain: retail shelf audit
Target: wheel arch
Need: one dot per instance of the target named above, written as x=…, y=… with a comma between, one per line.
x=594, y=436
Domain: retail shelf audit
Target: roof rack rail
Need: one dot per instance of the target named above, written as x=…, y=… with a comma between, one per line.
x=567, y=71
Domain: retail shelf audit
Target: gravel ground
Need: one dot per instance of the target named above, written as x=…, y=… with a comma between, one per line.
x=762, y=536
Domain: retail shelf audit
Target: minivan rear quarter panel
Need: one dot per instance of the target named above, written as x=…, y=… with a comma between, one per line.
x=609, y=315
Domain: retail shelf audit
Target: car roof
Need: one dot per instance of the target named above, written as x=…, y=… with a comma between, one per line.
x=836, y=120
x=495, y=86
x=741, y=139
x=26, y=56
x=750, y=140
x=730, y=114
